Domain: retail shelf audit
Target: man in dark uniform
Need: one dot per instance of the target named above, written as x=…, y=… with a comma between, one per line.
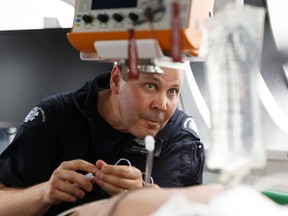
x=90, y=131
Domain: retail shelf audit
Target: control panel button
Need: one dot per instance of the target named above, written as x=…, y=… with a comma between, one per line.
x=134, y=17
x=103, y=18
x=87, y=19
x=118, y=17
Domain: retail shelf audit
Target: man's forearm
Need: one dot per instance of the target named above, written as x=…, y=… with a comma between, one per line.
x=28, y=201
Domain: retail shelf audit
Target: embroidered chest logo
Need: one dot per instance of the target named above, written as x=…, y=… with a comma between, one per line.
x=137, y=146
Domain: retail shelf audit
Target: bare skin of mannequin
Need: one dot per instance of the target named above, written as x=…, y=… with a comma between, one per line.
x=145, y=201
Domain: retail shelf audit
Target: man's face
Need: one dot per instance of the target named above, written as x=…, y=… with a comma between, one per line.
x=145, y=105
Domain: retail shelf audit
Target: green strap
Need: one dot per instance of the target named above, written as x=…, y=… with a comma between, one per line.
x=278, y=197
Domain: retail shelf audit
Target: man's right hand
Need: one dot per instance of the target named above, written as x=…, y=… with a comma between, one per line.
x=66, y=184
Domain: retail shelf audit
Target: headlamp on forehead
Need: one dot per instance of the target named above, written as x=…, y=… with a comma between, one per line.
x=144, y=66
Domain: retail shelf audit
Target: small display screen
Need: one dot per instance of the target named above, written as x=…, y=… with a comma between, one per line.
x=112, y=4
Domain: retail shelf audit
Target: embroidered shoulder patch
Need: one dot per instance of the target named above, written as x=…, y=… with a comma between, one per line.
x=35, y=117
x=189, y=125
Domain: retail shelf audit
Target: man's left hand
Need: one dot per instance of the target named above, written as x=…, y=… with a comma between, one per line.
x=115, y=179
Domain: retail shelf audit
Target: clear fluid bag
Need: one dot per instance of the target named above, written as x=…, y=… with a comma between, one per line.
x=235, y=37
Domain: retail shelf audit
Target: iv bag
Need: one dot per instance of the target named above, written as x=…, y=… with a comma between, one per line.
x=235, y=37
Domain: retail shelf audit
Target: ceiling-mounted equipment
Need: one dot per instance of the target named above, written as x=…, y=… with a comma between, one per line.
x=98, y=23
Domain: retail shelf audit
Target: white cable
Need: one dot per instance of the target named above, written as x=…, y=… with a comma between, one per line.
x=149, y=145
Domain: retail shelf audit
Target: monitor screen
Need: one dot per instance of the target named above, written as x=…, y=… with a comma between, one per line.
x=112, y=4
x=35, y=64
